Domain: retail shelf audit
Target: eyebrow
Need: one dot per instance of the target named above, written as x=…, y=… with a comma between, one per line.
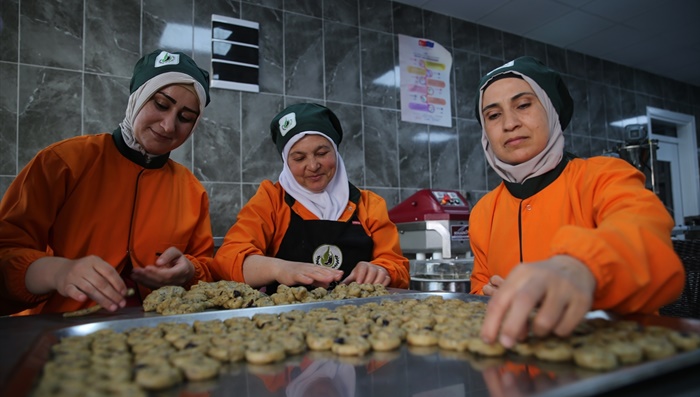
x=171, y=99
x=516, y=96
x=322, y=146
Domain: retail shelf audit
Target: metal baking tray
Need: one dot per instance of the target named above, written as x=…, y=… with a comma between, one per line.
x=408, y=371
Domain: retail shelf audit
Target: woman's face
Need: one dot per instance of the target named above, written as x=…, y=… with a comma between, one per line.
x=166, y=119
x=312, y=161
x=515, y=121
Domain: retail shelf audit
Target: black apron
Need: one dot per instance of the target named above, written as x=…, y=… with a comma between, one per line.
x=338, y=245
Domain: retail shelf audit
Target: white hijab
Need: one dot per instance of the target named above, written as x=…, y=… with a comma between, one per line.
x=142, y=94
x=328, y=204
x=544, y=161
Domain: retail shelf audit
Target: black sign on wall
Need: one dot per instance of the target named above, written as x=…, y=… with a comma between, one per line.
x=235, y=61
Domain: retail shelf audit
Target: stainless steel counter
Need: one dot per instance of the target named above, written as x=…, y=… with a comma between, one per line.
x=409, y=371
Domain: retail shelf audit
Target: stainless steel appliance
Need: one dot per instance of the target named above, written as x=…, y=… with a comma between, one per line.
x=433, y=228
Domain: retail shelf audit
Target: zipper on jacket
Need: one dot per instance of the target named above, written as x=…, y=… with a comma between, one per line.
x=131, y=228
x=520, y=229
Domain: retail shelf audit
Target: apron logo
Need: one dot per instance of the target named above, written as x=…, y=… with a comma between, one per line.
x=288, y=122
x=328, y=256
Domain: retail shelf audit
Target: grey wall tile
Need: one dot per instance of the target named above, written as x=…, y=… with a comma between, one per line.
x=342, y=63
x=224, y=204
x=9, y=34
x=414, y=154
x=491, y=42
x=217, y=140
x=377, y=52
x=306, y=7
x=408, y=20
x=51, y=33
x=259, y=157
x=381, y=147
x=168, y=25
x=467, y=73
x=444, y=158
x=343, y=11
x=106, y=99
x=465, y=35
x=376, y=15
x=472, y=162
x=112, y=36
x=49, y=108
x=352, y=146
x=303, y=56
x=271, y=54
x=8, y=119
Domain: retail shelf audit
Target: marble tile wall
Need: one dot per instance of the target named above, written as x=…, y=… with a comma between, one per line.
x=65, y=67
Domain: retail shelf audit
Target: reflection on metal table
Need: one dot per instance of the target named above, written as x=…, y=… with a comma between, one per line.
x=409, y=371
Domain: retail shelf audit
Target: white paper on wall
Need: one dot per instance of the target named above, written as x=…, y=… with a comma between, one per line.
x=425, y=81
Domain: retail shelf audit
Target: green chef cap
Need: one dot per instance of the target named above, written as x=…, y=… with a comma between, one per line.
x=303, y=117
x=161, y=61
x=549, y=80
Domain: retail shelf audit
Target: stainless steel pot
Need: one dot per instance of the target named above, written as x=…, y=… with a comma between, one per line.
x=434, y=282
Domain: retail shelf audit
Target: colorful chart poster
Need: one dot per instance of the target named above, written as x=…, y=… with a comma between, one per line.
x=425, y=81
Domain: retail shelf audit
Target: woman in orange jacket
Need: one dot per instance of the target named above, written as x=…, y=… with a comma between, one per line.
x=312, y=227
x=562, y=235
x=93, y=215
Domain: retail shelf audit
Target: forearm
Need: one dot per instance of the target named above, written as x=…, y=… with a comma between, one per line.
x=259, y=270
x=42, y=273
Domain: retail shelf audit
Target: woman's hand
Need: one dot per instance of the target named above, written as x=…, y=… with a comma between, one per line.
x=561, y=288
x=80, y=279
x=368, y=273
x=296, y=273
x=171, y=268
x=492, y=286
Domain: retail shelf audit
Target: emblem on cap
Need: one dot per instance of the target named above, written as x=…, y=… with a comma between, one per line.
x=165, y=58
x=328, y=256
x=288, y=122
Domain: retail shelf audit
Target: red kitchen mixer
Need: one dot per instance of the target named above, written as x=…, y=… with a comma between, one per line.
x=433, y=229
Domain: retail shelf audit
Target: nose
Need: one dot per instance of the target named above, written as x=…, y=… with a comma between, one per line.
x=510, y=120
x=314, y=164
x=168, y=123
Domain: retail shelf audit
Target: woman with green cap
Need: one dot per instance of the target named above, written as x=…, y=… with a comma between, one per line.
x=92, y=216
x=312, y=227
x=560, y=234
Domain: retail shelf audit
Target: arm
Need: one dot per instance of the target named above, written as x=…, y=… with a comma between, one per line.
x=246, y=255
x=261, y=270
x=617, y=256
x=480, y=222
x=29, y=275
x=81, y=279
x=374, y=216
x=629, y=251
x=174, y=267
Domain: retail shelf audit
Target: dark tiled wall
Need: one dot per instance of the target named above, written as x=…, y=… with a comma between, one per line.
x=65, y=68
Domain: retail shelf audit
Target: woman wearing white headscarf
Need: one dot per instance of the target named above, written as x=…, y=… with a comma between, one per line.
x=312, y=227
x=560, y=234
x=94, y=215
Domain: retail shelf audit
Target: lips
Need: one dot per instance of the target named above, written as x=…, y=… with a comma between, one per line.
x=515, y=141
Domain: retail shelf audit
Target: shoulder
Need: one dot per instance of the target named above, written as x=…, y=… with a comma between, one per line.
x=600, y=166
x=85, y=144
x=370, y=199
x=599, y=162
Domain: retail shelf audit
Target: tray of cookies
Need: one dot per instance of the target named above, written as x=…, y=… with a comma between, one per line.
x=398, y=344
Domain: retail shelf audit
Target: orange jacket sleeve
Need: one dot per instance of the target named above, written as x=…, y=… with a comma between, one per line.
x=597, y=211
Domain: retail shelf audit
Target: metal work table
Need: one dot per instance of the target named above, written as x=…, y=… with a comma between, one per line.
x=427, y=372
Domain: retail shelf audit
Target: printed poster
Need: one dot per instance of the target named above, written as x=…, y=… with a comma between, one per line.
x=425, y=81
